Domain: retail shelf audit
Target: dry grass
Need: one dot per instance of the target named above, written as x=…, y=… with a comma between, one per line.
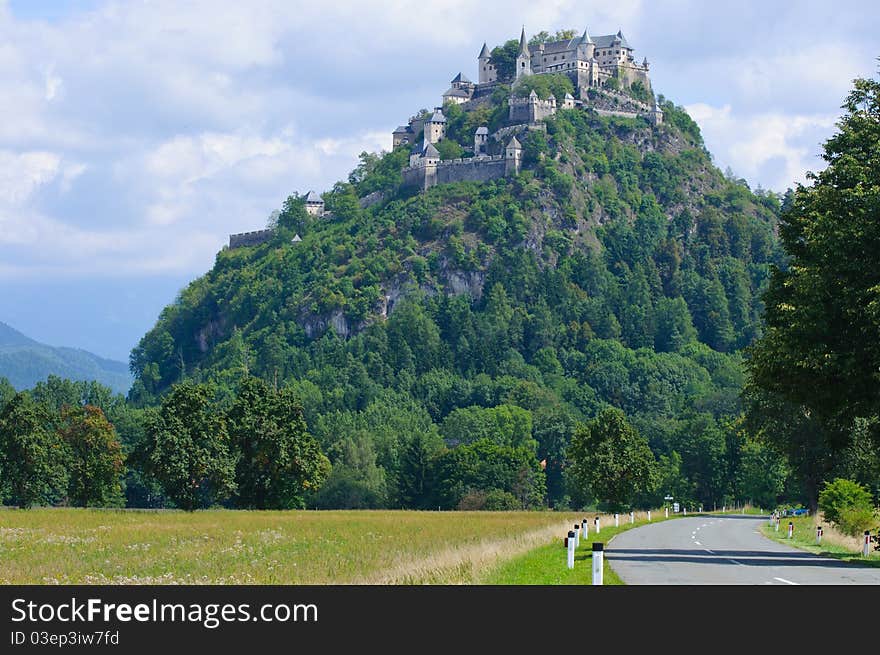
x=76, y=546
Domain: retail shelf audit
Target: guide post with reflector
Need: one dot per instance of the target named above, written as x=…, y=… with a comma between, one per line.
x=598, y=557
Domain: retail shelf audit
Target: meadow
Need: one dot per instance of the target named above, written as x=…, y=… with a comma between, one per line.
x=85, y=546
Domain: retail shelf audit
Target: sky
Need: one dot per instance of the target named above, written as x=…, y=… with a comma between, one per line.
x=136, y=136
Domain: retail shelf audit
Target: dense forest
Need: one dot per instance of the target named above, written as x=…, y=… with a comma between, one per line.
x=457, y=348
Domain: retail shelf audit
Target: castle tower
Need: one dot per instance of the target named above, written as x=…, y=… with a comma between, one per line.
x=523, y=59
x=314, y=204
x=481, y=141
x=656, y=115
x=512, y=157
x=484, y=67
x=586, y=47
x=435, y=127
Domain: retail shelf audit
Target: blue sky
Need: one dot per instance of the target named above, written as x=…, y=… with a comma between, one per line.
x=135, y=136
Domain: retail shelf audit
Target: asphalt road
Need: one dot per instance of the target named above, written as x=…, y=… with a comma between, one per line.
x=722, y=550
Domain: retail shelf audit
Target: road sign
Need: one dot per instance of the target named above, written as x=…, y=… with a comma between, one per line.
x=675, y=507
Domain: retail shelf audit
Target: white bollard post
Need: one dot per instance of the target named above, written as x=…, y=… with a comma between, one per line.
x=685, y=511
x=598, y=555
x=866, y=548
x=777, y=524
x=701, y=509
x=790, y=529
x=649, y=516
x=818, y=534
x=596, y=524
x=632, y=517
x=585, y=528
x=723, y=508
x=616, y=520
x=570, y=549
x=577, y=536
x=666, y=510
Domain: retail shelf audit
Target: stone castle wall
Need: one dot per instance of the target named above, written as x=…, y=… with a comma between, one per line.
x=474, y=169
x=249, y=238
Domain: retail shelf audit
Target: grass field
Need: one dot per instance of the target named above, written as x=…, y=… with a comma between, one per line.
x=834, y=543
x=79, y=546
x=70, y=546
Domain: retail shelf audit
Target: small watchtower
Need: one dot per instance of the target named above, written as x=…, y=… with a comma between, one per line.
x=512, y=157
x=481, y=141
x=314, y=204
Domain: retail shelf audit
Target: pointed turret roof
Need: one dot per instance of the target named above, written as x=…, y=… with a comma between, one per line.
x=296, y=238
x=438, y=117
x=484, y=53
x=523, y=44
x=514, y=143
x=568, y=96
x=586, y=37
x=311, y=196
x=461, y=79
x=482, y=130
x=431, y=151
x=622, y=38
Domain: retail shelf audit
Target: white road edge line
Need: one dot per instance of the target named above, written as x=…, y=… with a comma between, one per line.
x=786, y=581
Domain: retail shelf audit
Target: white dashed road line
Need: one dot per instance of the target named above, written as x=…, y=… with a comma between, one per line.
x=786, y=581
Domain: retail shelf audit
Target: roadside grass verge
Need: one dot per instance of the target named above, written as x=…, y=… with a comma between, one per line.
x=834, y=543
x=546, y=565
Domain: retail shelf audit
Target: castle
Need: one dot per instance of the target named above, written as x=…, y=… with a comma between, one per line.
x=597, y=67
x=590, y=63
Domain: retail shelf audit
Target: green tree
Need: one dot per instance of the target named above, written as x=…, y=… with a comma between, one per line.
x=355, y=481
x=611, y=459
x=504, y=60
x=484, y=466
x=187, y=448
x=506, y=425
x=278, y=461
x=761, y=474
x=33, y=459
x=95, y=462
x=821, y=345
x=840, y=495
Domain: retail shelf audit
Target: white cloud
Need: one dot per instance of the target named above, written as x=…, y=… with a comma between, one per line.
x=136, y=136
x=770, y=148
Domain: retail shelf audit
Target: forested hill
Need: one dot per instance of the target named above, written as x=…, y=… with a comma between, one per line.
x=25, y=362
x=619, y=267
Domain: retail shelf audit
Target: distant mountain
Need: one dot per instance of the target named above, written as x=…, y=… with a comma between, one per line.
x=24, y=362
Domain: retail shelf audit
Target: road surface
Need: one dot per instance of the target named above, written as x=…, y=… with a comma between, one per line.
x=722, y=550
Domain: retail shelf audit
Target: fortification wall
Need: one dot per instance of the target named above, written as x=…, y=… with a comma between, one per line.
x=526, y=111
x=477, y=169
x=474, y=169
x=249, y=238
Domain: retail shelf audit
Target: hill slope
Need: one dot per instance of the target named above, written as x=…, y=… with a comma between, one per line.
x=620, y=267
x=24, y=362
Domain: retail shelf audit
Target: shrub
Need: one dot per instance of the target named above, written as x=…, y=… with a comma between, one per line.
x=842, y=494
x=855, y=520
